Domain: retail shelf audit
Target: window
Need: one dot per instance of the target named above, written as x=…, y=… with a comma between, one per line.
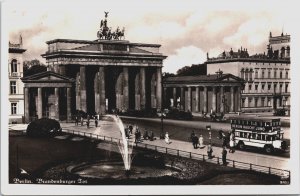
x=275, y=87
x=256, y=74
x=256, y=87
x=280, y=88
x=13, y=87
x=269, y=73
x=13, y=108
x=262, y=87
x=246, y=75
x=250, y=87
x=275, y=74
x=250, y=75
x=250, y=102
x=287, y=74
x=255, y=102
x=14, y=66
x=286, y=88
x=280, y=75
x=269, y=102
x=269, y=87
x=262, y=102
x=243, y=102
x=263, y=74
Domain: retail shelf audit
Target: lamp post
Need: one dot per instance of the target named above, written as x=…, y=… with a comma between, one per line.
x=208, y=128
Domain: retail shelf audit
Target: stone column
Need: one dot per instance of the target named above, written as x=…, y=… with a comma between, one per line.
x=189, y=99
x=125, y=89
x=205, y=99
x=238, y=99
x=165, y=98
x=96, y=91
x=101, y=86
x=222, y=99
x=158, y=88
x=231, y=99
x=82, y=89
x=68, y=104
x=56, y=93
x=143, y=87
x=197, y=99
x=77, y=91
x=137, y=85
x=174, y=97
x=26, y=105
x=182, y=97
x=214, y=99
x=40, y=103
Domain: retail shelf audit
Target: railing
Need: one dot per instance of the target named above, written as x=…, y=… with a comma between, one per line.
x=284, y=174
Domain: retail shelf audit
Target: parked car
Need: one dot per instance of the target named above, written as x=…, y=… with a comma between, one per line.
x=43, y=127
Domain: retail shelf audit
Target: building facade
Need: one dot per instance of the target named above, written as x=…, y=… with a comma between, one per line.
x=203, y=93
x=15, y=72
x=95, y=77
x=267, y=76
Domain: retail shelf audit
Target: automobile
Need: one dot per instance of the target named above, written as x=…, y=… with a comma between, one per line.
x=179, y=114
x=43, y=127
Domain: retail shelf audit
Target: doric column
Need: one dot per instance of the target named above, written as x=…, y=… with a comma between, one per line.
x=143, y=87
x=182, y=96
x=205, y=99
x=77, y=91
x=174, y=97
x=101, y=85
x=158, y=88
x=68, y=104
x=26, y=105
x=82, y=89
x=214, y=99
x=189, y=99
x=56, y=93
x=231, y=99
x=165, y=98
x=238, y=99
x=125, y=88
x=40, y=103
x=97, y=95
x=222, y=99
x=137, y=85
x=197, y=99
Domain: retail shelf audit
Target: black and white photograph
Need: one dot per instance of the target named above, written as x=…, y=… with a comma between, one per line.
x=147, y=97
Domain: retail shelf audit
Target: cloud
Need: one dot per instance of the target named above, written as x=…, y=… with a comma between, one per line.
x=185, y=56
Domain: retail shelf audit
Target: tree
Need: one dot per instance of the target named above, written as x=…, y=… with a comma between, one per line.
x=195, y=69
x=33, y=67
x=167, y=74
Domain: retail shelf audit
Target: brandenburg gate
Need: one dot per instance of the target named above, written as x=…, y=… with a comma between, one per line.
x=97, y=76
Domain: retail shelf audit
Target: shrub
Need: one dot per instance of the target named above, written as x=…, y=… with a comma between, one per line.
x=43, y=127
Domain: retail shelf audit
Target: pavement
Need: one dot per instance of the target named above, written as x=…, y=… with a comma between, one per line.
x=110, y=129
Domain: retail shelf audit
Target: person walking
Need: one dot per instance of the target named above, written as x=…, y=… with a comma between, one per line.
x=96, y=122
x=231, y=143
x=130, y=127
x=81, y=120
x=209, y=151
x=76, y=120
x=195, y=141
x=167, y=139
x=151, y=136
x=224, y=155
x=192, y=136
x=201, y=145
x=88, y=123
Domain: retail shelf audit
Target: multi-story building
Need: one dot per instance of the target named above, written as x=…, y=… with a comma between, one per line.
x=15, y=72
x=267, y=76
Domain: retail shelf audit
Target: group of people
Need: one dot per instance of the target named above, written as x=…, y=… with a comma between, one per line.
x=138, y=135
x=195, y=140
x=228, y=140
x=79, y=118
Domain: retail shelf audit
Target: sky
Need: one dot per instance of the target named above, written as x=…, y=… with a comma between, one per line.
x=187, y=30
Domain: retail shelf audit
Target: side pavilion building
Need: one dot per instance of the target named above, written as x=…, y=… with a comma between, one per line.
x=204, y=93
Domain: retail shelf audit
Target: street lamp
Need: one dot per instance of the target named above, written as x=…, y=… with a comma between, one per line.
x=208, y=128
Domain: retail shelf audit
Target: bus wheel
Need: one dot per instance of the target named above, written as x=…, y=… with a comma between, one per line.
x=269, y=149
x=241, y=145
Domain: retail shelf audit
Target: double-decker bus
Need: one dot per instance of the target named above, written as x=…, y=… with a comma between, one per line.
x=260, y=133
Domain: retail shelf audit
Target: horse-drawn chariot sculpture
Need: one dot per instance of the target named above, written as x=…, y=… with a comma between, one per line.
x=105, y=32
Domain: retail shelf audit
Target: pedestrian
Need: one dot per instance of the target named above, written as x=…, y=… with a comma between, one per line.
x=224, y=154
x=130, y=128
x=76, y=120
x=151, y=136
x=96, y=122
x=195, y=141
x=81, y=120
x=231, y=143
x=146, y=135
x=192, y=135
x=201, y=145
x=88, y=123
x=209, y=151
x=167, y=139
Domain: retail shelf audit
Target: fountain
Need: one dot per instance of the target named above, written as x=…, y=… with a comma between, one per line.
x=125, y=145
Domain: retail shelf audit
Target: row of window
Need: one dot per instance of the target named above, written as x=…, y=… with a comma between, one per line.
x=268, y=88
x=259, y=136
x=246, y=75
x=281, y=102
